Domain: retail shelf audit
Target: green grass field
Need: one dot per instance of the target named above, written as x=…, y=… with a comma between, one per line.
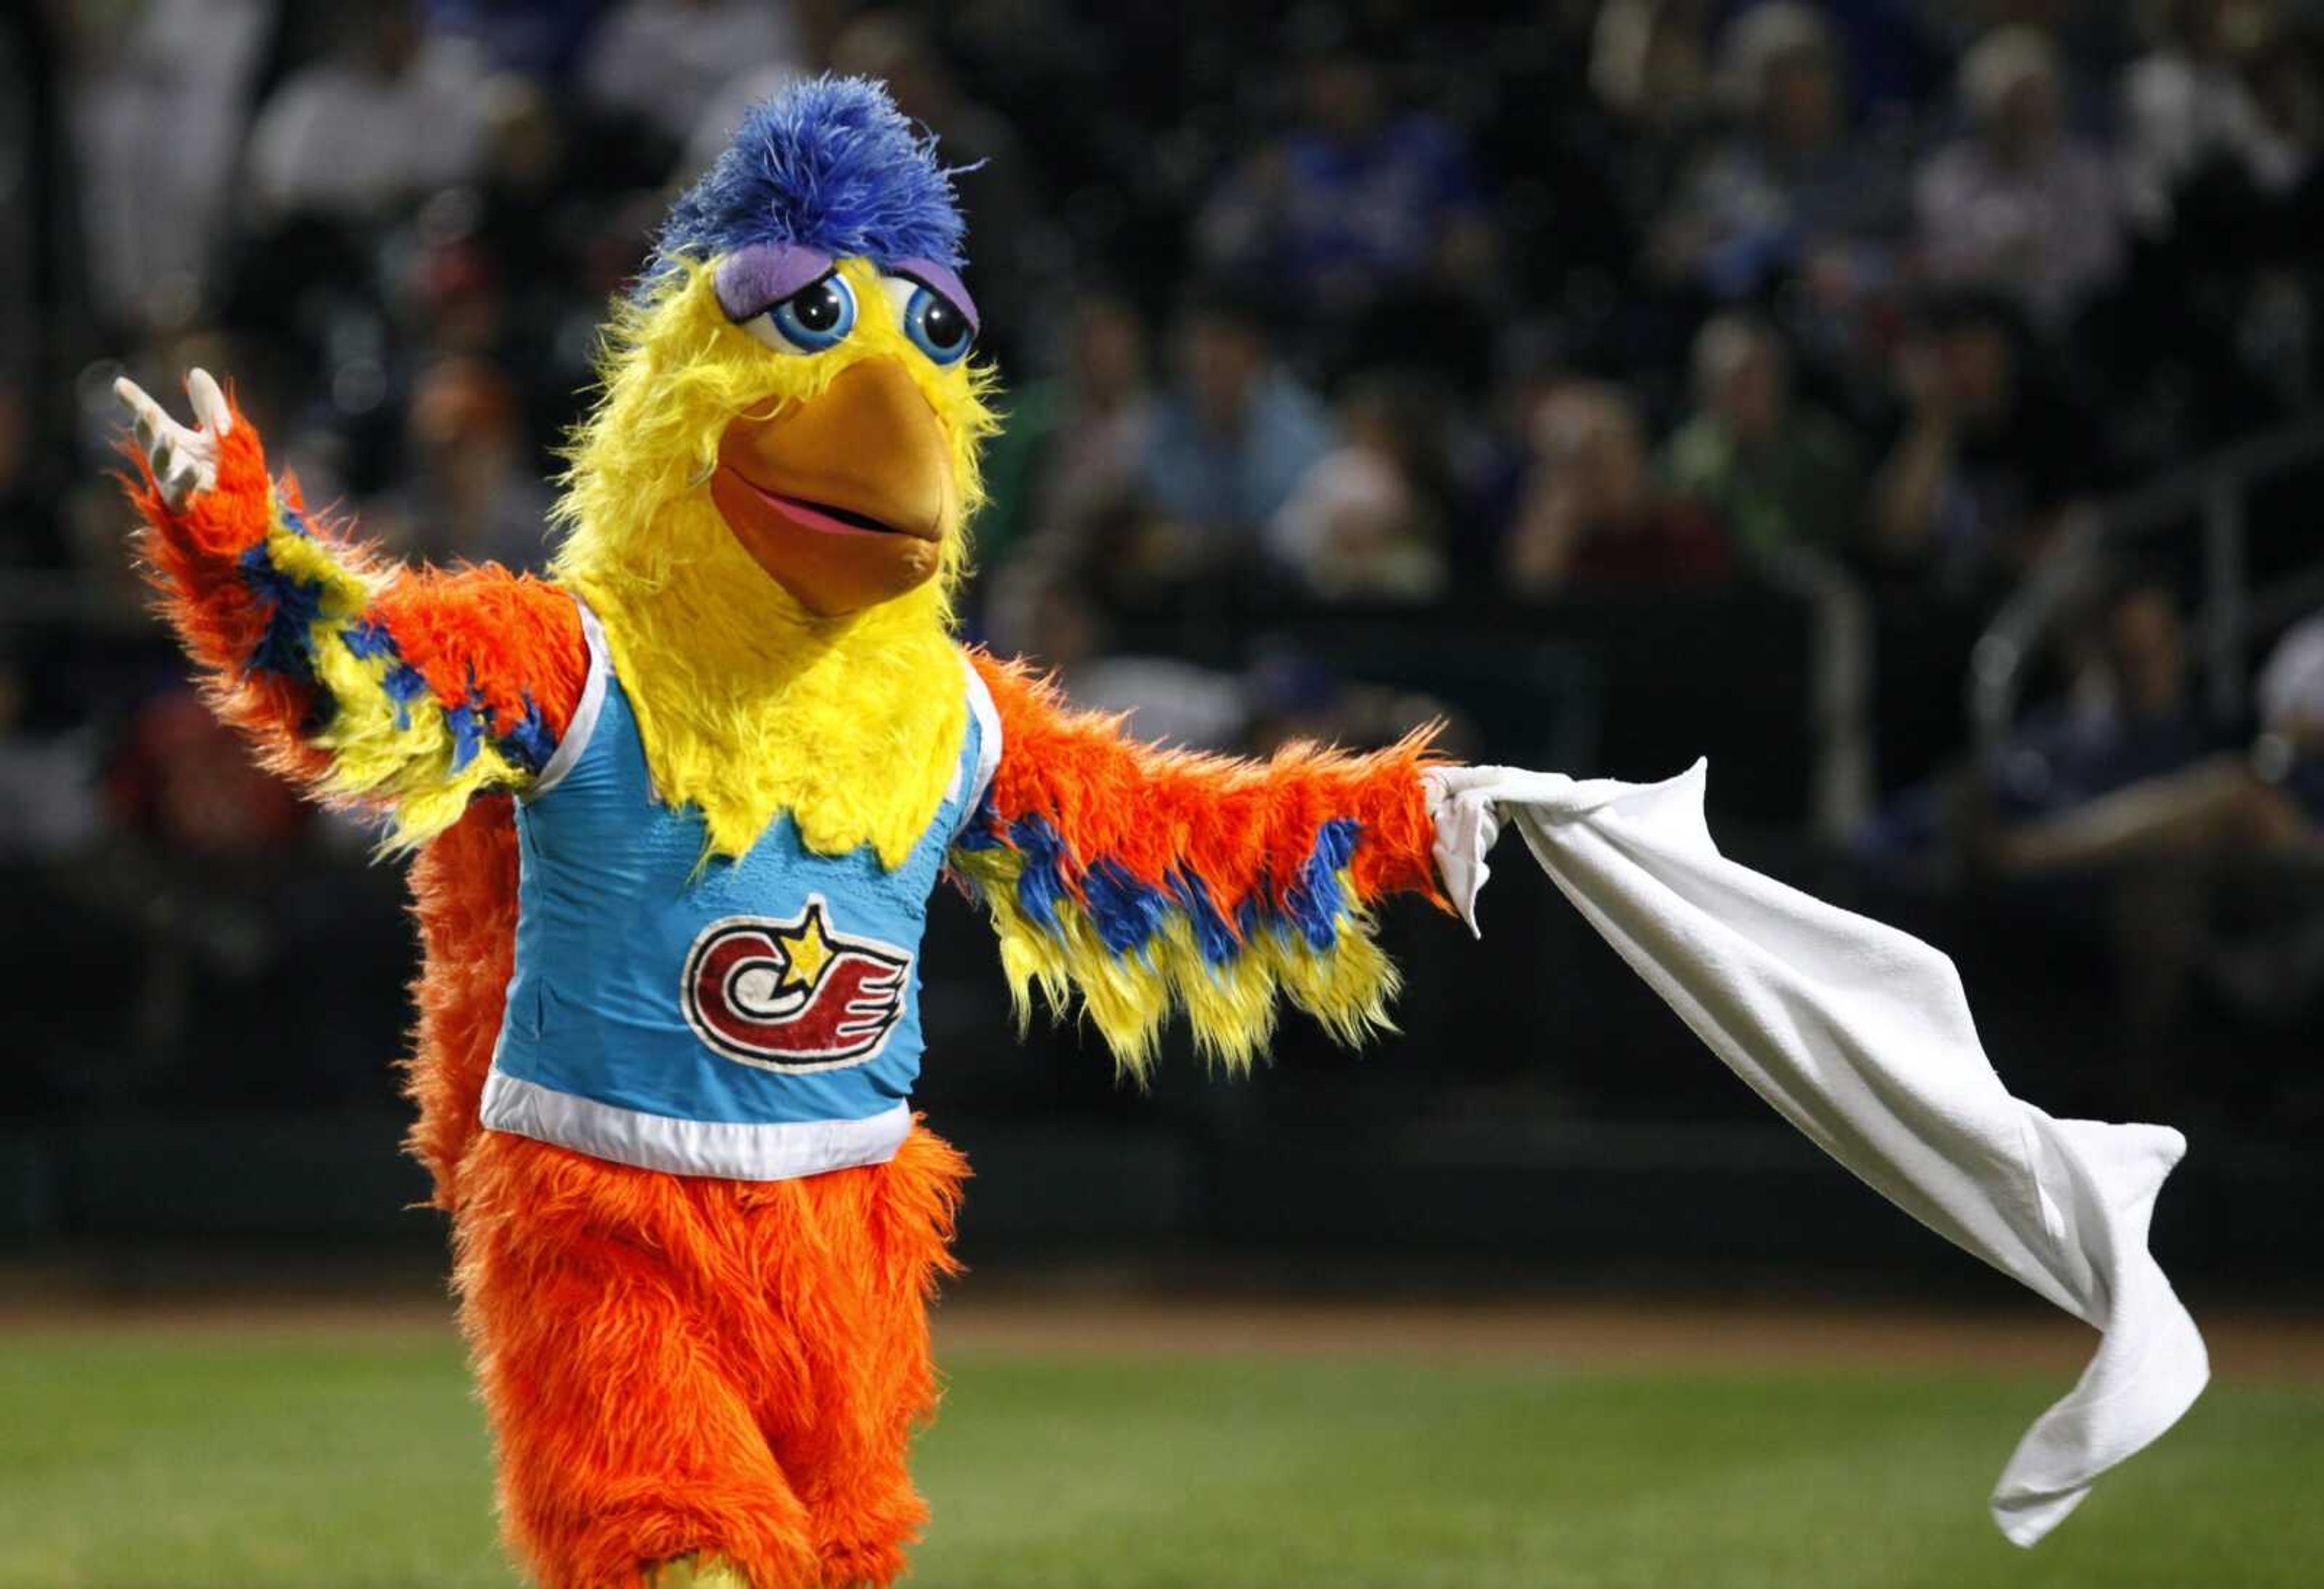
x=131, y=1460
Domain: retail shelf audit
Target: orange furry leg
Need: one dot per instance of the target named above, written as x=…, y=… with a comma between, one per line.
x=592, y=1294
x=868, y=1249
x=682, y=1367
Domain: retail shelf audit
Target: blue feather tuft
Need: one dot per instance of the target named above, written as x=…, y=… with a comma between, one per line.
x=365, y=639
x=529, y=744
x=404, y=684
x=982, y=830
x=1126, y=912
x=285, y=645
x=468, y=725
x=1314, y=899
x=829, y=164
x=1042, y=882
x=1213, y=935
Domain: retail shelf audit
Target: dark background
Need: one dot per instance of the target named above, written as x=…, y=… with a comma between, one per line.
x=1624, y=381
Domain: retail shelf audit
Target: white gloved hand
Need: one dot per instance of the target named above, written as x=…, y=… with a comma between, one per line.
x=184, y=460
x=1467, y=822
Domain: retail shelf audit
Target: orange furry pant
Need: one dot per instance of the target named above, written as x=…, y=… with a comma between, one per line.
x=675, y=1365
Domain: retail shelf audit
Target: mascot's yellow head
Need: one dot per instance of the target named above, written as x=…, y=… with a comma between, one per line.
x=769, y=506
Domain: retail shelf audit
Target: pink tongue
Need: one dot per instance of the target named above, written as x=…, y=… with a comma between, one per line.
x=815, y=517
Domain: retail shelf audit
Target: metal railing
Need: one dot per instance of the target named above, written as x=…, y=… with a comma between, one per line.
x=2216, y=491
x=1840, y=695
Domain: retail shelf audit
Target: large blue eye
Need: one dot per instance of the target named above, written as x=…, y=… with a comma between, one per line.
x=817, y=316
x=936, y=325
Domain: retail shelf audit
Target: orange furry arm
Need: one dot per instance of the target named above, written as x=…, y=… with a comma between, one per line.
x=1146, y=880
x=408, y=690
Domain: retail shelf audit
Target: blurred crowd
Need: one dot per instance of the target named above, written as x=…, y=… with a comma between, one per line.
x=1439, y=309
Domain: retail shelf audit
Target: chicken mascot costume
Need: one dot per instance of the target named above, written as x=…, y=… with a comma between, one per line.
x=676, y=814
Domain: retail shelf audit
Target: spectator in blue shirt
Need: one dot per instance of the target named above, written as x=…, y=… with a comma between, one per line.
x=1792, y=187
x=1356, y=201
x=1230, y=442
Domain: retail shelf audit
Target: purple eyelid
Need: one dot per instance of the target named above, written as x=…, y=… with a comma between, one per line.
x=930, y=274
x=754, y=278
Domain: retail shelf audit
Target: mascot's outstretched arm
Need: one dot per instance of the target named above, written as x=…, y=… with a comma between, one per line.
x=1145, y=880
x=407, y=690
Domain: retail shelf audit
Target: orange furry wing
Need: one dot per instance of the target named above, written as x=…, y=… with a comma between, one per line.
x=410, y=690
x=1145, y=879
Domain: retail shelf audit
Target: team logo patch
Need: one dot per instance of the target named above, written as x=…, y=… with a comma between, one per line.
x=793, y=995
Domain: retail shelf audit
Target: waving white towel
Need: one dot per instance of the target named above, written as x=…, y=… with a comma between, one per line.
x=1859, y=1035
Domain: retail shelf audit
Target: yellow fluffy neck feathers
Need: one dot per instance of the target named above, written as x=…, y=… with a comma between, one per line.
x=852, y=727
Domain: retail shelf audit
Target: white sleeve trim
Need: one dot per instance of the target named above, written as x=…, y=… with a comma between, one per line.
x=988, y=741
x=577, y=732
x=731, y=1150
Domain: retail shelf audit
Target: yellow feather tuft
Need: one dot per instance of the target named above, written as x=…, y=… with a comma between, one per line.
x=1231, y=1008
x=380, y=754
x=748, y=705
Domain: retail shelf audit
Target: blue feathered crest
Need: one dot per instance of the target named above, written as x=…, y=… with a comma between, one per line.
x=829, y=164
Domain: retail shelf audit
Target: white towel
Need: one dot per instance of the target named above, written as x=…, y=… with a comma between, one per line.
x=1859, y=1035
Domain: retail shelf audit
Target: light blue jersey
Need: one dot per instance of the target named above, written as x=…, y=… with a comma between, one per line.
x=757, y=1018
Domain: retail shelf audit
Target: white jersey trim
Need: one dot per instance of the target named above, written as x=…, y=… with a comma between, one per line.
x=730, y=1149
x=987, y=743
x=583, y=723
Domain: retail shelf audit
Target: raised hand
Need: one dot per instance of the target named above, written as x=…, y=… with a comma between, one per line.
x=184, y=460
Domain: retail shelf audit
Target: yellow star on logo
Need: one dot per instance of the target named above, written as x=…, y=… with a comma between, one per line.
x=807, y=949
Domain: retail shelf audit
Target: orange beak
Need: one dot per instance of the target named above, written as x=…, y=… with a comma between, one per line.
x=846, y=499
